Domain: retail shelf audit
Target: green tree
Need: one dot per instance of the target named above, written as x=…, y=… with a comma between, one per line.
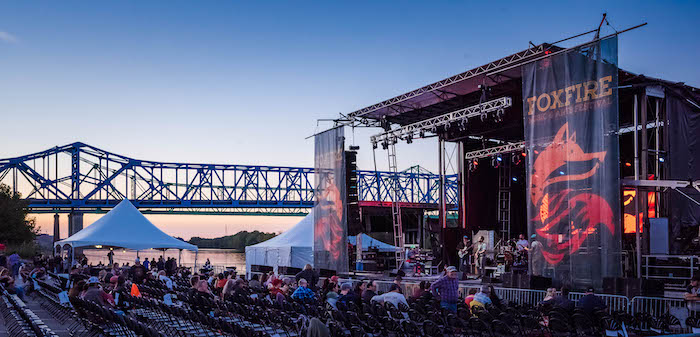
x=15, y=226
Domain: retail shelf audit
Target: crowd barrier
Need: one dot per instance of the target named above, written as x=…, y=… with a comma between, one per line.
x=656, y=306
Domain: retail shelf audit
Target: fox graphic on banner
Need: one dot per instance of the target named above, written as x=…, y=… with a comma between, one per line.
x=570, y=104
x=330, y=219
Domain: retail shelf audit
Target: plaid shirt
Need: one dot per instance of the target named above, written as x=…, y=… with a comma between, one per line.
x=303, y=293
x=446, y=288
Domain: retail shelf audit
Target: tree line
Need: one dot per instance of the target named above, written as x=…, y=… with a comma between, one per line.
x=238, y=241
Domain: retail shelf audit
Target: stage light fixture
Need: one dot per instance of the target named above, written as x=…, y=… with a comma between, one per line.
x=495, y=161
x=374, y=145
x=661, y=159
x=421, y=133
x=515, y=179
x=409, y=139
x=499, y=158
x=385, y=145
x=524, y=154
x=561, y=173
x=628, y=164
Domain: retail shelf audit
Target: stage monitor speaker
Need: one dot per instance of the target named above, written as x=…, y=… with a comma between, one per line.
x=658, y=236
x=540, y=282
x=509, y=279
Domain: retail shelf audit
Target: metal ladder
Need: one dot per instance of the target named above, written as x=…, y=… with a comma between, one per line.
x=504, y=182
x=396, y=206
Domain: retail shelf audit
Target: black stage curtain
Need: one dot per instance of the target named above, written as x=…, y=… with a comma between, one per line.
x=684, y=163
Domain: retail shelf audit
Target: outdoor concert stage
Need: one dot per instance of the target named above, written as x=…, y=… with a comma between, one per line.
x=553, y=141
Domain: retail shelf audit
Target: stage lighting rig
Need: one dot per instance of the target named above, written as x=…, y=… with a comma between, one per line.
x=443, y=122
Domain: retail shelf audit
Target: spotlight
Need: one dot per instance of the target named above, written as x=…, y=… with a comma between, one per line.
x=496, y=161
x=374, y=145
x=628, y=164
x=515, y=179
x=524, y=154
x=385, y=145
x=561, y=173
x=421, y=133
x=661, y=159
x=409, y=139
x=499, y=158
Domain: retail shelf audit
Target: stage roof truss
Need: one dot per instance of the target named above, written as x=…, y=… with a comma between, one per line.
x=431, y=125
x=484, y=69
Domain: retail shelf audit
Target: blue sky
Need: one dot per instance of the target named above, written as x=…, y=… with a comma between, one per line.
x=244, y=82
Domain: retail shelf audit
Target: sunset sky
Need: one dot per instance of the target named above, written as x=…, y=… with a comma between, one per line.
x=245, y=82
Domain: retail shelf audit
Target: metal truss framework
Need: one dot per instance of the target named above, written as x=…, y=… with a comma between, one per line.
x=485, y=69
x=80, y=177
x=478, y=154
x=431, y=125
x=416, y=188
x=520, y=146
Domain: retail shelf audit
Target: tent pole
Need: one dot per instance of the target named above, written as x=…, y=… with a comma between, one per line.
x=179, y=258
x=72, y=256
x=195, y=261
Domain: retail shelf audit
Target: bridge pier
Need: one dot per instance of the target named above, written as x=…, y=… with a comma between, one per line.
x=75, y=224
x=56, y=228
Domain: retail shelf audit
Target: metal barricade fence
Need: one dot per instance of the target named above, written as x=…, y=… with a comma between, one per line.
x=658, y=306
x=520, y=296
x=615, y=303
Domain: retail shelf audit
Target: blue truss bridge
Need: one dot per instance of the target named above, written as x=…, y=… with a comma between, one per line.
x=83, y=178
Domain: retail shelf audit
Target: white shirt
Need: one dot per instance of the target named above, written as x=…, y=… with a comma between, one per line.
x=391, y=297
x=167, y=280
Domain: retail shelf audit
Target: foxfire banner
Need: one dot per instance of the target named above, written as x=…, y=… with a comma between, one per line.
x=330, y=224
x=570, y=104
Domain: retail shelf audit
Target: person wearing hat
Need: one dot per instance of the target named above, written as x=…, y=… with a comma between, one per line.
x=393, y=296
x=94, y=293
x=347, y=295
x=447, y=289
x=591, y=303
x=691, y=296
x=463, y=252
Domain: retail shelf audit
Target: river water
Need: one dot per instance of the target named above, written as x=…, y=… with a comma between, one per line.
x=218, y=257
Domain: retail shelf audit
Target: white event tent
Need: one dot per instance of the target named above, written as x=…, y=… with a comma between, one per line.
x=124, y=227
x=293, y=248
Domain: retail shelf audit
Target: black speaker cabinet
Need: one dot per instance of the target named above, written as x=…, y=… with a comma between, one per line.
x=509, y=280
x=540, y=282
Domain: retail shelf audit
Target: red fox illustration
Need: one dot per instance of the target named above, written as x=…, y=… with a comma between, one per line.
x=569, y=216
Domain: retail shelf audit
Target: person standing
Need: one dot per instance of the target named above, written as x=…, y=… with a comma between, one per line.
x=535, y=256
x=146, y=264
x=463, y=252
x=480, y=256
x=309, y=275
x=447, y=289
x=110, y=257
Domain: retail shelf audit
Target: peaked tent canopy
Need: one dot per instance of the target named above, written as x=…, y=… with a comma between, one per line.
x=368, y=241
x=124, y=227
x=293, y=248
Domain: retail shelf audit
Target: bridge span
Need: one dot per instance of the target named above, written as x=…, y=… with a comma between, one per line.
x=80, y=178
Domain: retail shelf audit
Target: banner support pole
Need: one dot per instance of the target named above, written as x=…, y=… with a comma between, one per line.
x=637, y=237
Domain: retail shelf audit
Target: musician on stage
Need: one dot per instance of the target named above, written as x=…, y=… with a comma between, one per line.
x=480, y=256
x=463, y=252
x=522, y=244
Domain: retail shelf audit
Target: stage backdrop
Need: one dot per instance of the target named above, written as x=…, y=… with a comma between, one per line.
x=571, y=123
x=330, y=224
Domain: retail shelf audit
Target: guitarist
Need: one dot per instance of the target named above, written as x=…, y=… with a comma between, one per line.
x=479, y=256
x=463, y=252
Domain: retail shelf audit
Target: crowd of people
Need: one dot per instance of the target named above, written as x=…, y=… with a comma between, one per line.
x=103, y=284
